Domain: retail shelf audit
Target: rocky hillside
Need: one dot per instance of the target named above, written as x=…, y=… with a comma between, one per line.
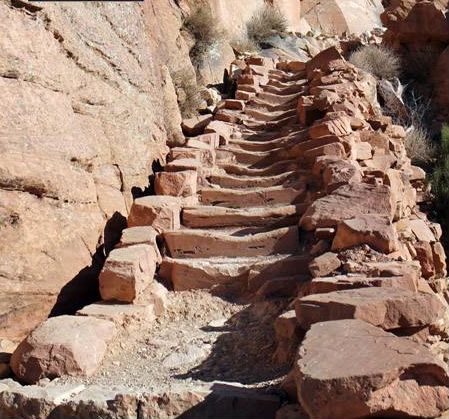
x=265, y=254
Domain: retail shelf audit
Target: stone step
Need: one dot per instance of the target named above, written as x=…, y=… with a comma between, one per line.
x=261, y=115
x=273, y=170
x=205, y=243
x=270, y=125
x=276, y=99
x=259, y=197
x=222, y=274
x=257, y=103
x=210, y=216
x=260, y=158
x=236, y=182
x=284, y=91
x=388, y=308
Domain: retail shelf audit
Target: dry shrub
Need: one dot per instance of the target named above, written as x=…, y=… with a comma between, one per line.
x=244, y=45
x=266, y=22
x=378, y=60
x=206, y=30
x=188, y=92
x=419, y=146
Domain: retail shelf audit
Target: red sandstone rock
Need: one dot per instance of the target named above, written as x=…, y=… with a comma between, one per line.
x=389, y=308
x=348, y=369
x=324, y=265
x=345, y=282
x=127, y=272
x=159, y=212
x=347, y=202
x=64, y=345
x=196, y=125
x=183, y=183
x=376, y=231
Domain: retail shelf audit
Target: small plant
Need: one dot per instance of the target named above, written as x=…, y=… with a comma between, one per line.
x=440, y=181
x=265, y=23
x=378, y=60
x=206, y=30
x=244, y=45
x=419, y=146
x=188, y=93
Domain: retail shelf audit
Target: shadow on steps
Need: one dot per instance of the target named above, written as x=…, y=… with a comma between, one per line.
x=244, y=352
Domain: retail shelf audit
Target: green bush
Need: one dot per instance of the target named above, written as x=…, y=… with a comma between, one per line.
x=440, y=182
x=266, y=22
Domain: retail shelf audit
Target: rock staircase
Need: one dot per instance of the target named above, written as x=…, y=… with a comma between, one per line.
x=299, y=189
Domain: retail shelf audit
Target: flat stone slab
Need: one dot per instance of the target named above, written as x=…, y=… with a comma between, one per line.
x=350, y=369
x=389, y=308
x=120, y=314
x=347, y=202
x=204, y=243
x=212, y=216
x=346, y=282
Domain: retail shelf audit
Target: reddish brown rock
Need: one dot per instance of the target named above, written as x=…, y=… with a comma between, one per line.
x=288, y=334
x=389, y=308
x=127, y=272
x=324, y=265
x=349, y=369
x=412, y=21
x=339, y=126
x=183, y=183
x=347, y=202
x=64, y=345
x=160, y=212
x=376, y=231
x=204, y=243
x=345, y=282
x=195, y=125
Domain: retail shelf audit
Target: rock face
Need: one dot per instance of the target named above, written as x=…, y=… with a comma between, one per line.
x=337, y=17
x=81, y=124
x=419, y=31
x=51, y=351
x=350, y=369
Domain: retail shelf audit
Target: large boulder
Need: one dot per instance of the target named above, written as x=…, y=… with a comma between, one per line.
x=411, y=21
x=64, y=345
x=350, y=369
x=337, y=17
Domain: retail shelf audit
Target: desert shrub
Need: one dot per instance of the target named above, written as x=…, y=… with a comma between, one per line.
x=266, y=22
x=244, y=45
x=440, y=182
x=378, y=60
x=419, y=146
x=206, y=30
x=188, y=93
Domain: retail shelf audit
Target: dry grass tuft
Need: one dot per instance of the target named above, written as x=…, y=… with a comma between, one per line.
x=244, y=45
x=265, y=23
x=188, y=92
x=378, y=60
x=419, y=146
x=206, y=30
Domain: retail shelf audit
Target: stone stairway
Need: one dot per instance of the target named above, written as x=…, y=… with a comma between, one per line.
x=300, y=190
